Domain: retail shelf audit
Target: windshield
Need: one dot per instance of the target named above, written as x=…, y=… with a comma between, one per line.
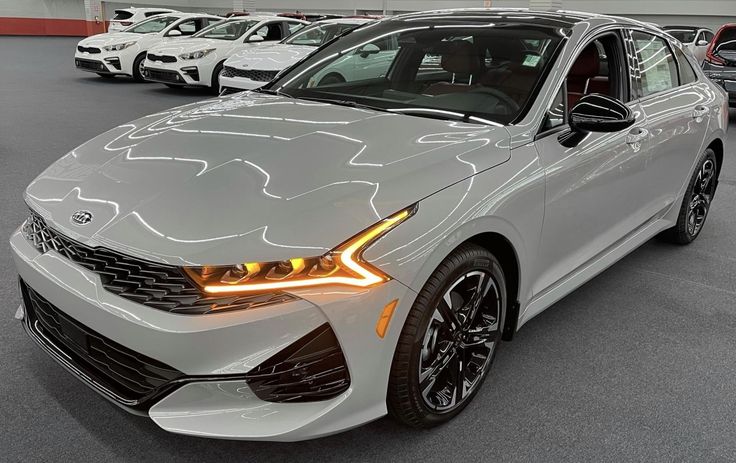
x=683, y=35
x=227, y=30
x=318, y=34
x=152, y=25
x=484, y=72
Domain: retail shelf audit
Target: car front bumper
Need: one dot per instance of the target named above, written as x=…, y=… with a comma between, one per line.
x=238, y=84
x=112, y=63
x=215, y=352
x=196, y=73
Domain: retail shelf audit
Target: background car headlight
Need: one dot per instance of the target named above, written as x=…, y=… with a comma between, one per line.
x=118, y=46
x=196, y=54
x=341, y=266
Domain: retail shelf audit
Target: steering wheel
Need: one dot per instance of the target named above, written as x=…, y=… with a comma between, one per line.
x=507, y=100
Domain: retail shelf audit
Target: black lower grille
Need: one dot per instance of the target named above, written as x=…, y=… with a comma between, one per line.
x=90, y=64
x=126, y=376
x=92, y=50
x=162, y=58
x=162, y=287
x=252, y=74
x=311, y=369
x=162, y=75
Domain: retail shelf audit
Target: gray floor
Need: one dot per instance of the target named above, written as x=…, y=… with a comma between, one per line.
x=639, y=364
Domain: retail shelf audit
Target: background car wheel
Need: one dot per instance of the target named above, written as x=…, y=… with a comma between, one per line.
x=106, y=76
x=138, y=68
x=449, y=339
x=696, y=203
x=215, y=85
x=331, y=79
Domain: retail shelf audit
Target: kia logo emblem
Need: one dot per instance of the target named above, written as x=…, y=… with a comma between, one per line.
x=82, y=217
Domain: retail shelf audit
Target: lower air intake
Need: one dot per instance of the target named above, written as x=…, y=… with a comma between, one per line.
x=311, y=369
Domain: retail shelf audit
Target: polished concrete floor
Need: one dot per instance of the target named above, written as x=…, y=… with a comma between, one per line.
x=638, y=364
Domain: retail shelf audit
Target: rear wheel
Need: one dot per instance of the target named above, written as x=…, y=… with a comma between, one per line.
x=697, y=201
x=138, y=67
x=449, y=339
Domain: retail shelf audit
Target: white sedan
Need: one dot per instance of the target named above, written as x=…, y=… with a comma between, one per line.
x=198, y=61
x=126, y=17
x=254, y=66
x=122, y=53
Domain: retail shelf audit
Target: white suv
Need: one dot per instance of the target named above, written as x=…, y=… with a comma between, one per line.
x=126, y=17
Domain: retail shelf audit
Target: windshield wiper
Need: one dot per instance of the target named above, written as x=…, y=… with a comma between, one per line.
x=348, y=103
x=442, y=115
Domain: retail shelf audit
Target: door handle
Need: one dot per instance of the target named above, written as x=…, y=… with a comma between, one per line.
x=700, y=111
x=636, y=135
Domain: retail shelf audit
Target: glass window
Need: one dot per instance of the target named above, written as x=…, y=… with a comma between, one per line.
x=293, y=27
x=687, y=75
x=557, y=113
x=656, y=63
x=317, y=34
x=154, y=13
x=187, y=27
x=726, y=40
x=226, y=30
x=486, y=73
x=152, y=25
x=708, y=36
x=121, y=15
x=684, y=35
x=270, y=32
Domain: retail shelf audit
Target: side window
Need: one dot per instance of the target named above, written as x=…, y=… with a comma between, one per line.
x=557, y=113
x=270, y=32
x=292, y=27
x=656, y=63
x=188, y=27
x=687, y=75
x=707, y=36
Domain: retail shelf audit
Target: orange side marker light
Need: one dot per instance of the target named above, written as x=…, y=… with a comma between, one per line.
x=385, y=318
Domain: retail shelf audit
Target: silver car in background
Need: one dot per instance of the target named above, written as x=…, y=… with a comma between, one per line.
x=695, y=39
x=297, y=261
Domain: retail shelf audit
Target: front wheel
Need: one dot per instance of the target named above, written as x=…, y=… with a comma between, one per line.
x=138, y=68
x=697, y=201
x=215, y=84
x=449, y=339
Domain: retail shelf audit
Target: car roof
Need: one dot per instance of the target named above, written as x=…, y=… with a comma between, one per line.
x=566, y=19
x=135, y=8
x=191, y=15
x=688, y=28
x=344, y=21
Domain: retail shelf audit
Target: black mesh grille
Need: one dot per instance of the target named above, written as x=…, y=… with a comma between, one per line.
x=162, y=75
x=162, y=58
x=90, y=64
x=127, y=376
x=258, y=76
x=311, y=369
x=159, y=286
x=93, y=50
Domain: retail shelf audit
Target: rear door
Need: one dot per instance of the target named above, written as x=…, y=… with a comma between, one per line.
x=677, y=110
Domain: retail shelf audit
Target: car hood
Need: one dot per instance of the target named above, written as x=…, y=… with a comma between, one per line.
x=271, y=57
x=255, y=177
x=176, y=47
x=110, y=38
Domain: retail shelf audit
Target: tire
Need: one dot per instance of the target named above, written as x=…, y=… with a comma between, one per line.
x=330, y=79
x=137, y=76
x=697, y=201
x=420, y=390
x=106, y=76
x=215, y=84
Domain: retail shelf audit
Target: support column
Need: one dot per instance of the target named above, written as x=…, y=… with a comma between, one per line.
x=545, y=5
x=94, y=17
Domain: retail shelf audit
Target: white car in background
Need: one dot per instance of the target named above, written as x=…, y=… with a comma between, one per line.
x=122, y=53
x=696, y=39
x=253, y=67
x=198, y=61
x=126, y=17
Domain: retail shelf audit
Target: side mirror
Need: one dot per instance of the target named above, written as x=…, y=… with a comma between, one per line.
x=368, y=49
x=702, y=43
x=174, y=33
x=600, y=113
x=256, y=38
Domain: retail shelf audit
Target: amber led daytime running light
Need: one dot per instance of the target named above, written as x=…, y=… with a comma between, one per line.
x=346, y=256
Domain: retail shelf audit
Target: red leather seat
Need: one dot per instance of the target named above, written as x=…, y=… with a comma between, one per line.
x=463, y=60
x=585, y=68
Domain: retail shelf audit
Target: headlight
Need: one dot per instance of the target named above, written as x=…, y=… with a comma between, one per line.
x=196, y=54
x=118, y=46
x=341, y=266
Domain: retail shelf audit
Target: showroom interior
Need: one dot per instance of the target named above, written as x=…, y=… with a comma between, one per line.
x=135, y=164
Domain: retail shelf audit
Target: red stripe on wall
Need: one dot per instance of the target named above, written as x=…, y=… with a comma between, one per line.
x=48, y=26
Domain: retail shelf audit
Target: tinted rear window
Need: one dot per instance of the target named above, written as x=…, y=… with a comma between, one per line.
x=726, y=40
x=121, y=15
